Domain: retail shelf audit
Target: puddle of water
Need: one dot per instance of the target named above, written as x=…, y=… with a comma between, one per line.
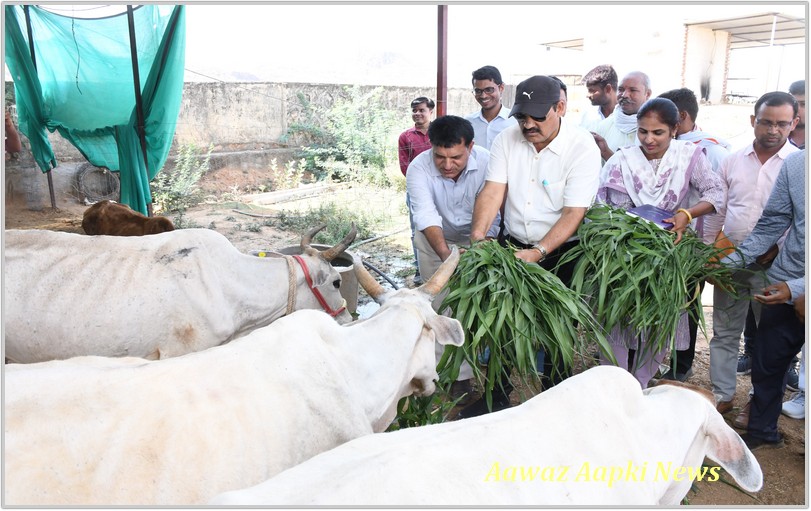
x=367, y=309
x=396, y=265
x=393, y=266
x=367, y=306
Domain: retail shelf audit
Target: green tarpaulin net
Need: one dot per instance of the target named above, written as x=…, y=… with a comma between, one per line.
x=80, y=82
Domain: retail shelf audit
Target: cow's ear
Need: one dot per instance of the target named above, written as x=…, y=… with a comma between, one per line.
x=447, y=330
x=728, y=450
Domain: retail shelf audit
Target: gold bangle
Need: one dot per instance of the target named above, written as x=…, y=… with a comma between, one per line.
x=689, y=216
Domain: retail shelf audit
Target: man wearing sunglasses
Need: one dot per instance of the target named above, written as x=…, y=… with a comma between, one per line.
x=493, y=117
x=546, y=172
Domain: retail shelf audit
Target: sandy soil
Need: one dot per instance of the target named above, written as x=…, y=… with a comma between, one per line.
x=784, y=469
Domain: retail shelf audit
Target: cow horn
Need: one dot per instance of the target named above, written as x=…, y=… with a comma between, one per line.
x=332, y=253
x=367, y=282
x=442, y=274
x=308, y=238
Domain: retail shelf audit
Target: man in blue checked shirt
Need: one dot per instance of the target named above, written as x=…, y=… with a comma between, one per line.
x=781, y=333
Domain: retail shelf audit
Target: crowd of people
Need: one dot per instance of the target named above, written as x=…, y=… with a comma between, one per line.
x=526, y=176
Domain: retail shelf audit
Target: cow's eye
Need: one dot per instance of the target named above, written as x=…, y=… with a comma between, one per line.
x=337, y=283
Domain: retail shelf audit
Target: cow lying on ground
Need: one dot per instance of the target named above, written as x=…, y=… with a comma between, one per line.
x=106, y=431
x=114, y=219
x=159, y=296
x=596, y=439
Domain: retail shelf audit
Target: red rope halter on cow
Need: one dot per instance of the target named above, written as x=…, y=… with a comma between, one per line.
x=316, y=292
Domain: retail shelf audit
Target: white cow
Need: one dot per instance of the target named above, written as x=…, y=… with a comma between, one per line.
x=157, y=296
x=126, y=431
x=596, y=439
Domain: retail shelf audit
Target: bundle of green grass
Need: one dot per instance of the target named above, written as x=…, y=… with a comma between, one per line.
x=513, y=309
x=635, y=277
x=629, y=273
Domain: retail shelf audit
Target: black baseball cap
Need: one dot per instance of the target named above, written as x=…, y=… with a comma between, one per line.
x=535, y=96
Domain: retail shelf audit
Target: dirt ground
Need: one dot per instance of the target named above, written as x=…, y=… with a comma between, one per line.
x=241, y=222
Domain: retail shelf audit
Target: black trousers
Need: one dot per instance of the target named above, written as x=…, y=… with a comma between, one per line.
x=565, y=272
x=554, y=373
x=780, y=335
x=749, y=332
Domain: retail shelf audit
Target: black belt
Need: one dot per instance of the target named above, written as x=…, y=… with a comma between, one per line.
x=563, y=248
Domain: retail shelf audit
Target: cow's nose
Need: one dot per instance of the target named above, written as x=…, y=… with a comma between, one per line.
x=423, y=387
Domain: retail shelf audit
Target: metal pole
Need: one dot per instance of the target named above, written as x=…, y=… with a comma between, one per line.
x=34, y=61
x=442, y=61
x=139, y=107
x=771, y=55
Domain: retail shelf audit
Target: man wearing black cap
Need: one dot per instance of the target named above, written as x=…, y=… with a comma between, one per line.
x=546, y=172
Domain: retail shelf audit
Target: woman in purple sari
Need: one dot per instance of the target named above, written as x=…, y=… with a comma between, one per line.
x=671, y=174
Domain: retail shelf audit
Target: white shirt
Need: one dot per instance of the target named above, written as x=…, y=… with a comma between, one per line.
x=591, y=118
x=747, y=185
x=485, y=132
x=716, y=149
x=566, y=173
x=613, y=136
x=439, y=201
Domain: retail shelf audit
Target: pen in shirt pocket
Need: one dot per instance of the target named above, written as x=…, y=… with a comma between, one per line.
x=545, y=182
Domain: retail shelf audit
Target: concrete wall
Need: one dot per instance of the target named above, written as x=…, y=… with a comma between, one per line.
x=254, y=116
x=245, y=123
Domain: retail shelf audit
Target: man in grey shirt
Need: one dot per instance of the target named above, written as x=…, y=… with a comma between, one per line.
x=443, y=183
x=781, y=334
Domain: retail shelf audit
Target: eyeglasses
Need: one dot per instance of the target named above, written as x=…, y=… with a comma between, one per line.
x=486, y=90
x=523, y=117
x=782, y=125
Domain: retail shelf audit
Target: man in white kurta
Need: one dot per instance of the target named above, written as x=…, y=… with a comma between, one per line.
x=619, y=129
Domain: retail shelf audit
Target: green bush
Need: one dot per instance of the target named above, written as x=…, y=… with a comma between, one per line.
x=182, y=222
x=338, y=220
x=289, y=177
x=352, y=141
x=177, y=189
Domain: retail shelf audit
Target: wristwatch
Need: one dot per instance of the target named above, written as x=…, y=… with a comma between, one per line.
x=540, y=248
